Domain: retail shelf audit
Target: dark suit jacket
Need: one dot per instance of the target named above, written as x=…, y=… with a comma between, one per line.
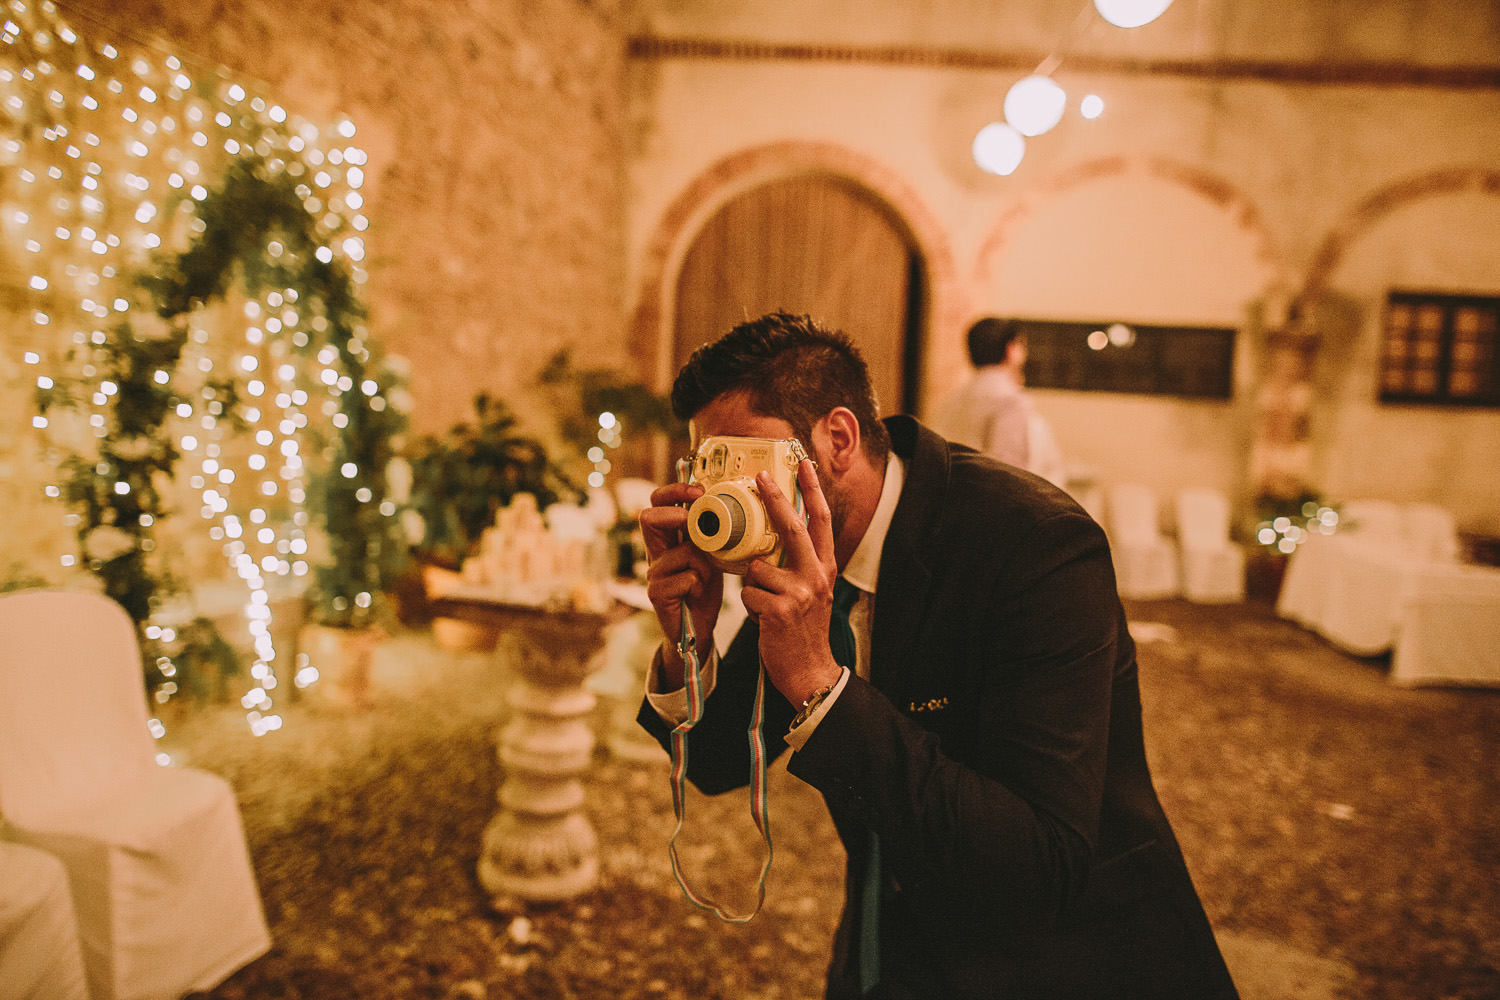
x=996, y=750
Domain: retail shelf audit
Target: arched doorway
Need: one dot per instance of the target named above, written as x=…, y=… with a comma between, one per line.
x=815, y=244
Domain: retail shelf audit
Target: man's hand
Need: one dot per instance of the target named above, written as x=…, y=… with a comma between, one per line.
x=679, y=572
x=793, y=602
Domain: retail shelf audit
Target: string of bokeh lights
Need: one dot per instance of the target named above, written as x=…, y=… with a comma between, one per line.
x=114, y=152
x=1036, y=103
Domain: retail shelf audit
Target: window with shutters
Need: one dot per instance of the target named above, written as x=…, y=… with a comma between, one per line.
x=1441, y=349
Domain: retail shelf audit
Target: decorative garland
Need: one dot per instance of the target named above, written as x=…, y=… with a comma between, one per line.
x=115, y=497
x=253, y=205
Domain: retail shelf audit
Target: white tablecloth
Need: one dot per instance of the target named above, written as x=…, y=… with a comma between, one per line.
x=1368, y=597
x=1450, y=629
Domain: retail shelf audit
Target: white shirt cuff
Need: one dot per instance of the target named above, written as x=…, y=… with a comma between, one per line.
x=672, y=706
x=797, y=738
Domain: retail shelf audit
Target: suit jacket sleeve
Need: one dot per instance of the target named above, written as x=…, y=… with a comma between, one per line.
x=719, y=746
x=995, y=819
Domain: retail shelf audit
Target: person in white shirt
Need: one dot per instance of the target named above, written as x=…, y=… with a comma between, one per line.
x=992, y=413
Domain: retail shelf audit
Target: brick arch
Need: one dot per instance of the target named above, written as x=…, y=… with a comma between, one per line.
x=1200, y=182
x=1370, y=210
x=651, y=320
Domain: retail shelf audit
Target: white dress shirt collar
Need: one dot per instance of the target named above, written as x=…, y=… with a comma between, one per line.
x=863, y=568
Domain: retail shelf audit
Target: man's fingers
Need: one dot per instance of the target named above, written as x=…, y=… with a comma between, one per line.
x=661, y=528
x=674, y=587
x=807, y=543
x=787, y=522
x=675, y=493
x=680, y=559
x=819, y=517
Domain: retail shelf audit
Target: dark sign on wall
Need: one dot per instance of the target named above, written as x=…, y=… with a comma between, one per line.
x=1191, y=361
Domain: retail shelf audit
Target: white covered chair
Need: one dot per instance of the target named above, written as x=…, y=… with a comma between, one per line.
x=1213, y=566
x=162, y=887
x=1145, y=559
x=39, y=955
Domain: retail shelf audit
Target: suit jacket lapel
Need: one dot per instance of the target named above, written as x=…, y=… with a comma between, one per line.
x=901, y=597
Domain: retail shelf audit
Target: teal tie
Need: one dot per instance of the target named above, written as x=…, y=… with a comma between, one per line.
x=840, y=635
x=841, y=641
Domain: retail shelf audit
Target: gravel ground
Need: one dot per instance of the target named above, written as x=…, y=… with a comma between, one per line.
x=1325, y=814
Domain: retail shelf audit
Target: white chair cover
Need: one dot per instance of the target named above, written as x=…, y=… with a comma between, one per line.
x=1145, y=560
x=162, y=887
x=39, y=955
x=1213, y=566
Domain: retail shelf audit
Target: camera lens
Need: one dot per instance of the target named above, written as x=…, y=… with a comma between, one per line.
x=708, y=523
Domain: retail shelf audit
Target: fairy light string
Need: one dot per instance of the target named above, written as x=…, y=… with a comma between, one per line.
x=192, y=254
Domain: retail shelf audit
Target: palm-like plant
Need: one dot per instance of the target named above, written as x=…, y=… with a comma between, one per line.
x=462, y=477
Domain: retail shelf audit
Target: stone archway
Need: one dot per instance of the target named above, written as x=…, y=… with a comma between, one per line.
x=1145, y=240
x=1430, y=231
x=1381, y=203
x=651, y=321
x=1210, y=187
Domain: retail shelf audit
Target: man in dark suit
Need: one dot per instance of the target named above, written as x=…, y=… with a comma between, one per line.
x=981, y=757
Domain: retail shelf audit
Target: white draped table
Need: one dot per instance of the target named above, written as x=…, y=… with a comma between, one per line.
x=1440, y=620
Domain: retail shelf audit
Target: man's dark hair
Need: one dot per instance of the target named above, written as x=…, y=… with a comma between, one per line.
x=990, y=338
x=791, y=369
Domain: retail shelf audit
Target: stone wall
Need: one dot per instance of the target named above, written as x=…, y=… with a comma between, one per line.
x=496, y=177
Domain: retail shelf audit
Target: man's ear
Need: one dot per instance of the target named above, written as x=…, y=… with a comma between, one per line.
x=837, y=440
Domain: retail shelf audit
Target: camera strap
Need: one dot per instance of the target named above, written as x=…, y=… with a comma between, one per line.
x=687, y=646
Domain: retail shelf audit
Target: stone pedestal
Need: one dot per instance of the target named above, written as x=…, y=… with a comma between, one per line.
x=540, y=846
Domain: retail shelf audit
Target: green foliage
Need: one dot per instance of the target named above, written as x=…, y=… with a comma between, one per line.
x=462, y=477
x=582, y=394
x=240, y=219
x=1296, y=510
x=252, y=206
x=19, y=577
x=202, y=664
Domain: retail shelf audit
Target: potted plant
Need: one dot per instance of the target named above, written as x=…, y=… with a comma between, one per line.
x=584, y=399
x=459, y=479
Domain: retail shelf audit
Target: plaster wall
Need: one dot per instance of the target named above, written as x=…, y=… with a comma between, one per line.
x=1189, y=200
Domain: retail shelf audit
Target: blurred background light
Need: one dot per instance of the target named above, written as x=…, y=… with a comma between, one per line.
x=1035, y=104
x=998, y=148
x=1131, y=13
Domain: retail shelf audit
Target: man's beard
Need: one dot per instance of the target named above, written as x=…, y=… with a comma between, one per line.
x=838, y=505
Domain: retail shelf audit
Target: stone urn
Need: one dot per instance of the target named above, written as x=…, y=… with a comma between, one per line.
x=540, y=846
x=463, y=635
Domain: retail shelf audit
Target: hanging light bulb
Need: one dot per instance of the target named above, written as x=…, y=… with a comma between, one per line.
x=998, y=148
x=1131, y=13
x=1034, y=105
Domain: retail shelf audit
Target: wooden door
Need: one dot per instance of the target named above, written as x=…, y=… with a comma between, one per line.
x=817, y=245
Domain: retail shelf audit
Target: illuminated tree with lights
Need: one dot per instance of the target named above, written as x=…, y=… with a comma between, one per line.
x=193, y=255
